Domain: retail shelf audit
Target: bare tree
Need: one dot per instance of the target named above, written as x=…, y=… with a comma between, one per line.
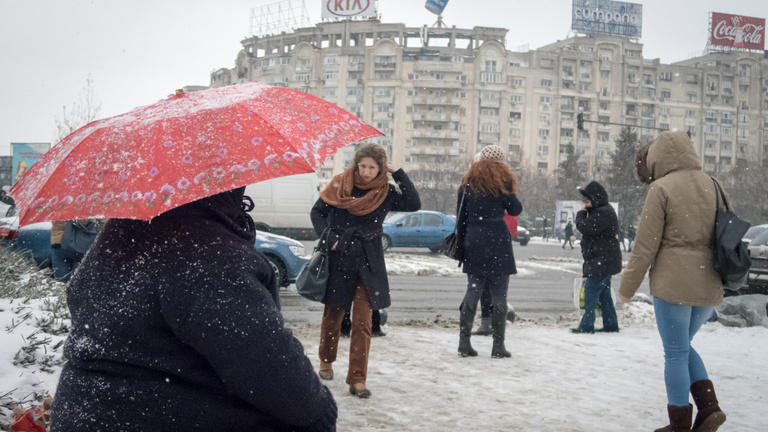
x=746, y=186
x=84, y=110
x=438, y=182
x=537, y=192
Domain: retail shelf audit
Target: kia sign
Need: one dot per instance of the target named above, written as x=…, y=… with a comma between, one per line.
x=347, y=9
x=737, y=31
x=607, y=17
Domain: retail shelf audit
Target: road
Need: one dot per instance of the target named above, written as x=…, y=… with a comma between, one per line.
x=544, y=289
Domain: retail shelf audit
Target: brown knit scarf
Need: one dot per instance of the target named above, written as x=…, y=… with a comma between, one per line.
x=338, y=193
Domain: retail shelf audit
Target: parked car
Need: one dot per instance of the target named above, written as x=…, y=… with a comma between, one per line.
x=753, y=232
x=424, y=228
x=285, y=254
x=758, y=254
x=523, y=236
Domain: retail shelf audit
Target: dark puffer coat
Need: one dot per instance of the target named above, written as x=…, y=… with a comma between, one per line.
x=486, y=239
x=359, y=255
x=599, y=229
x=173, y=328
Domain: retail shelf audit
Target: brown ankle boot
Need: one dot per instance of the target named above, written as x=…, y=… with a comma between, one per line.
x=325, y=371
x=708, y=415
x=679, y=419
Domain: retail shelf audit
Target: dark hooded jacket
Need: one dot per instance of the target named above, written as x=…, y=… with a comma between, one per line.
x=599, y=229
x=174, y=328
x=360, y=255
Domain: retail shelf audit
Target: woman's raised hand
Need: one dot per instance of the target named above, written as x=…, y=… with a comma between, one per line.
x=391, y=168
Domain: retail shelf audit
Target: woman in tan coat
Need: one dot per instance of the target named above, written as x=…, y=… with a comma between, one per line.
x=674, y=240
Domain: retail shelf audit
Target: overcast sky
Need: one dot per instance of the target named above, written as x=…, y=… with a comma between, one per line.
x=139, y=51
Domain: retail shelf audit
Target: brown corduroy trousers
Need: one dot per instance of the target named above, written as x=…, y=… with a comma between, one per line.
x=360, y=336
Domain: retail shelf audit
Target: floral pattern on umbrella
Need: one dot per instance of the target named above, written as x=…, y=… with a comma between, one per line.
x=192, y=145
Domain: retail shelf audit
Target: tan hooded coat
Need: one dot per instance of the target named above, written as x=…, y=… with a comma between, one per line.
x=674, y=238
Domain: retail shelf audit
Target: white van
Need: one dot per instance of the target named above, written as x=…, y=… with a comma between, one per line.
x=282, y=205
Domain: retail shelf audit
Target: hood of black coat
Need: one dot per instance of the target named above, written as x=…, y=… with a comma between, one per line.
x=596, y=193
x=225, y=209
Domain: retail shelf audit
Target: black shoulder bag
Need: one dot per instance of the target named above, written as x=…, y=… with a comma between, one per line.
x=730, y=257
x=453, y=246
x=312, y=280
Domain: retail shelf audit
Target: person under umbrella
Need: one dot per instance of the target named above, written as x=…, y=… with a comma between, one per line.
x=353, y=207
x=174, y=327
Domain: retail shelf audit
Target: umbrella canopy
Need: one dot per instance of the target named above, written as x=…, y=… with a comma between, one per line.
x=192, y=145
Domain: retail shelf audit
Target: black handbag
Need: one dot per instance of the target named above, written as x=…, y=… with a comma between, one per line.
x=453, y=246
x=312, y=280
x=730, y=256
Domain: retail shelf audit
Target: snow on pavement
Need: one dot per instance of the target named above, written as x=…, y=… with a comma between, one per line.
x=555, y=380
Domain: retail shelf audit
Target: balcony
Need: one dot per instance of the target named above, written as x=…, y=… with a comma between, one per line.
x=491, y=78
x=493, y=103
x=435, y=100
x=356, y=66
x=434, y=134
x=385, y=66
x=435, y=117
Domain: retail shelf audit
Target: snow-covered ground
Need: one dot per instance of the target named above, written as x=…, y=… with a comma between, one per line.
x=555, y=380
x=420, y=264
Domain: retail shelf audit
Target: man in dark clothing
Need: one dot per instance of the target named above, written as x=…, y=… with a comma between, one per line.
x=568, y=234
x=599, y=228
x=174, y=328
x=630, y=237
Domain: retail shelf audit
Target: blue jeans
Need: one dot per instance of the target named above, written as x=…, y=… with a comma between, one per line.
x=598, y=289
x=682, y=365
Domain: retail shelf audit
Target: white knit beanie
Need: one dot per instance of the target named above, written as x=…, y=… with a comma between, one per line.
x=492, y=152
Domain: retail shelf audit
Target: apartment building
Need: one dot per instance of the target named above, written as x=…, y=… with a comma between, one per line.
x=444, y=93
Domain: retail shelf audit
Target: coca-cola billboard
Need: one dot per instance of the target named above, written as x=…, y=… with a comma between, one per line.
x=347, y=9
x=737, y=31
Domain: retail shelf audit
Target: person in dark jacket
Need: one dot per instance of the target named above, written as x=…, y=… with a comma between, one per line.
x=600, y=248
x=568, y=234
x=174, y=328
x=352, y=208
x=486, y=192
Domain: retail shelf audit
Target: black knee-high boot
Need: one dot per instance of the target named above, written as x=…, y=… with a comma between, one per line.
x=499, y=320
x=466, y=317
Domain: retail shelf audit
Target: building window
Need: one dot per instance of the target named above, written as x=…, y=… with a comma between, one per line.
x=330, y=75
x=544, y=133
x=545, y=99
x=514, y=133
x=546, y=83
x=331, y=60
x=490, y=112
x=543, y=150
x=515, y=99
x=489, y=127
x=302, y=76
x=329, y=92
x=413, y=76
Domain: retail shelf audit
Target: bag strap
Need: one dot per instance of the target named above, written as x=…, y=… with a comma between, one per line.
x=718, y=193
x=461, y=209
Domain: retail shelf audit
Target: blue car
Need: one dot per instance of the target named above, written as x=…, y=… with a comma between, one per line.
x=423, y=228
x=286, y=255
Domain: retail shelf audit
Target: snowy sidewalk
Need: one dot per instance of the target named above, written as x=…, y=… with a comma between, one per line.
x=555, y=380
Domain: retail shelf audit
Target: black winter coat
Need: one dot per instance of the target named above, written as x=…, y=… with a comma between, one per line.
x=359, y=255
x=484, y=235
x=599, y=229
x=173, y=329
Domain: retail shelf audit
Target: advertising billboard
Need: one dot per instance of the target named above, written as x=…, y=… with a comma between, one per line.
x=436, y=6
x=607, y=17
x=24, y=155
x=346, y=9
x=737, y=31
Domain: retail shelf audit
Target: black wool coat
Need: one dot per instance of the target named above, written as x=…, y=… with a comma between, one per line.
x=359, y=257
x=484, y=235
x=599, y=229
x=174, y=329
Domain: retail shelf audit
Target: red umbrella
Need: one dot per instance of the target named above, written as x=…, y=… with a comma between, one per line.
x=192, y=145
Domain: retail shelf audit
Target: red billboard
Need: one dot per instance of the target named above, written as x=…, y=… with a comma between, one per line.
x=737, y=31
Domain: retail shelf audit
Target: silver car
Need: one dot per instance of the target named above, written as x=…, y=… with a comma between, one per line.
x=758, y=253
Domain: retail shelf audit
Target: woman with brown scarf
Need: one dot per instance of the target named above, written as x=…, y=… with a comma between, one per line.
x=348, y=218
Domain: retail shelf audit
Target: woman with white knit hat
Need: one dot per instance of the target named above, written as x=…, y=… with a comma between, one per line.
x=487, y=191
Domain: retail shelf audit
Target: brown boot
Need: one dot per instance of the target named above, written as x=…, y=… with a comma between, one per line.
x=325, y=371
x=679, y=419
x=708, y=415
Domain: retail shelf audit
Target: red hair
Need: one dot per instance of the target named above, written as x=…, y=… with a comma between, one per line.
x=490, y=177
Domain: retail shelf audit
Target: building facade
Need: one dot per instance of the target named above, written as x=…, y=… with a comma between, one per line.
x=444, y=93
